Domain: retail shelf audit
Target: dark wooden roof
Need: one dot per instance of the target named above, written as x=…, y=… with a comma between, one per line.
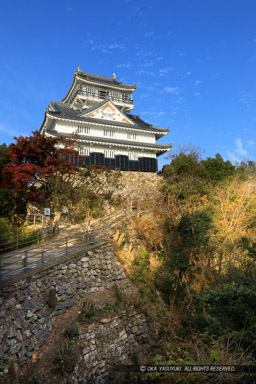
x=63, y=110
x=102, y=79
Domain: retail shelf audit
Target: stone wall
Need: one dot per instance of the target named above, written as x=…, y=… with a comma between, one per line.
x=110, y=342
x=139, y=185
x=27, y=319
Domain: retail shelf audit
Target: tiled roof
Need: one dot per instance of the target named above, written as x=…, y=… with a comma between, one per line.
x=161, y=147
x=64, y=111
x=94, y=107
x=103, y=79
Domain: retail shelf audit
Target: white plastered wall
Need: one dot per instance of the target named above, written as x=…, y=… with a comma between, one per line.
x=98, y=131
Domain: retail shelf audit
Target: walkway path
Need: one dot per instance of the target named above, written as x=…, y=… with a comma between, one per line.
x=72, y=239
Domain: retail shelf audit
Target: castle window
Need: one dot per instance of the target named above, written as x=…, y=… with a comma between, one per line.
x=108, y=153
x=84, y=151
x=103, y=94
x=132, y=156
x=108, y=132
x=131, y=136
x=85, y=130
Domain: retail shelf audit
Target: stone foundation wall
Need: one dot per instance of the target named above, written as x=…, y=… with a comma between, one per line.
x=109, y=343
x=27, y=319
x=139, y=185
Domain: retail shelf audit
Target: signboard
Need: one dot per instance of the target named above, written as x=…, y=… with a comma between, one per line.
x=47, y=212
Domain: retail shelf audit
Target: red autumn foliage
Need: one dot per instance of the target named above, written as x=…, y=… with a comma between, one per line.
x=33, y=159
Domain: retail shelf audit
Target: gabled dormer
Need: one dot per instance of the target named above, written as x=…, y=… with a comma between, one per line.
x=107, y=111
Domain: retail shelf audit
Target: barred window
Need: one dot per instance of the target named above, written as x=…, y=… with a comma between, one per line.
x=84, y=151
x=108, y=132
x=132, y=136
x=109, y=153
x=85, y=130
x=132, y=156
x=102, y=94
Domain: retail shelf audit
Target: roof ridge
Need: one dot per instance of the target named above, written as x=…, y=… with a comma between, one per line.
x=99, y=76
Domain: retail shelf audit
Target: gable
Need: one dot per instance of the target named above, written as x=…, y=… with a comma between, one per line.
x=108, y=112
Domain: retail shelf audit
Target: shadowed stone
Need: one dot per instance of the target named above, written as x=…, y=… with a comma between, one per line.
x=52, y=298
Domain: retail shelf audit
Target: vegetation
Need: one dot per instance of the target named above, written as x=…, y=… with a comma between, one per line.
x=36, y=170
x=197, y=256
x=192, y=258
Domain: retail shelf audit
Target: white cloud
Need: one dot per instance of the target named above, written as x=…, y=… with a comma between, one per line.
x=247, y=99
x=165, y=71
x=239, y=148
x=232, y=157
x=144, y=53
x=9, y=132
x=197, y=94
x=198, y=82
x=123, y=65
x=239, y=151
x=149, y=34
x=173, y=90
x=250, y=143
x=153, y=114
x=146, y=65
x=143, y=72
x=106, y=48
x=115, y=45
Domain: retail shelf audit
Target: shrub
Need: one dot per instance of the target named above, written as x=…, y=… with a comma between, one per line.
x=66, y=357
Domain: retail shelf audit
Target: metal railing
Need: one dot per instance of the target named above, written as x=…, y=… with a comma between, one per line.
x=21, y=240
x=30, y=258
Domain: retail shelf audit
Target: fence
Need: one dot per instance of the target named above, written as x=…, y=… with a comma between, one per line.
x=33, y=219
x=21, y=240
x=30, y=258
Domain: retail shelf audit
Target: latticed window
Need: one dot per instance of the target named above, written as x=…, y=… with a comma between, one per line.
x=108, y=153
x=132, y=156
x=103, y=94
x=108, y=132
x=84, y=151
x=85, y=130
x=131, y=136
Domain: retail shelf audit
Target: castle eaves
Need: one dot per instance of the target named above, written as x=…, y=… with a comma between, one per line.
x=103, y=79
x=63, y=111
x=87, y=138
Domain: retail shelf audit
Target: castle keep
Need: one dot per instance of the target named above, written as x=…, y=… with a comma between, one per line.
x=96, y=113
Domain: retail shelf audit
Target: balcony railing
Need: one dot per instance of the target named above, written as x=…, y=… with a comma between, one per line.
x=96, y=96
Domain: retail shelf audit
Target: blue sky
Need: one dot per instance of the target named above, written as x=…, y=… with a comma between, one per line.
x=194, y=63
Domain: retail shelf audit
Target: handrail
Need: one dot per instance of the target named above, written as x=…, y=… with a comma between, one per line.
x=16, y=239
x=50, y=256
x=3, y=257
x=63, y=241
